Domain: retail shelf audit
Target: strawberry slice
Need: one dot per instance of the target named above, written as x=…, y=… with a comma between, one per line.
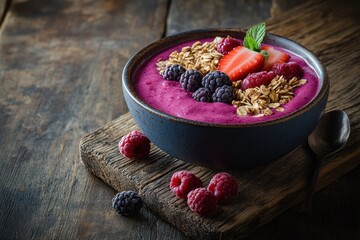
x=275, y=56
x=241, y=61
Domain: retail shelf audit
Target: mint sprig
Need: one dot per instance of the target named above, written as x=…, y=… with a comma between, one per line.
x=254, y=37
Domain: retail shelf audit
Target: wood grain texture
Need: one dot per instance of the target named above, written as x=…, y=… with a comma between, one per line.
x=3, y=9
x=269, y=190
x=60, y=67
x=187, y=15
x=280, y=6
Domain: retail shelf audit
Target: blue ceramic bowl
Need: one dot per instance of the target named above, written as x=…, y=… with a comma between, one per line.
x=248, y=145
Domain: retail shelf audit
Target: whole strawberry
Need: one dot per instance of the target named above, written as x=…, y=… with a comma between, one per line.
x=224, y=187
x=182, y=182
x=134, y=145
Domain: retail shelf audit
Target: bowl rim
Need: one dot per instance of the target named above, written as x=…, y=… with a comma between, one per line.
x=175, y=39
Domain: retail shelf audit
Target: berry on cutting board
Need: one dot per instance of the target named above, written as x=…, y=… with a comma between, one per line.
x=182, y=182
x=202, y=201
x=134, y=145
x=275, y=57
x=224, y=187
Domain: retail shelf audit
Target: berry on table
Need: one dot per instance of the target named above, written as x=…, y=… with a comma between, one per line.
x=225, y=45
x=214, y=80
x=202, y=95
x=257, y=79
x=224, y=94
x=173, y=72
x=288, y=70
x=182, y=182
x=134, y=145
x=224, y=187
x=127, y=203
x=190, y=80
x=202, y=201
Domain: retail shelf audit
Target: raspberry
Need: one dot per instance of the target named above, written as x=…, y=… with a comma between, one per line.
x=202, y=202
x=224, y=187
x=183, y=182
x=127, y=203
x=226, y=45
x=224, y=94
x=202, y=95
x=288, y=70
x=214, y=80
x=134, y=145
x=191, y=80
x=173, y=72
x=257, y=79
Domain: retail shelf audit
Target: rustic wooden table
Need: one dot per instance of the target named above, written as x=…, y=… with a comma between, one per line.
x=60, y=71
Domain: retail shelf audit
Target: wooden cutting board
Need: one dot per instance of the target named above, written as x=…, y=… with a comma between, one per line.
x=268, y=190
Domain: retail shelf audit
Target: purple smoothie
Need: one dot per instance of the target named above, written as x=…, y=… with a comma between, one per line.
x=169, y=97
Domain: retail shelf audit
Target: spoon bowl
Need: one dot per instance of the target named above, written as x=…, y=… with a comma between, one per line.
x=328, y=137
x=331, y=133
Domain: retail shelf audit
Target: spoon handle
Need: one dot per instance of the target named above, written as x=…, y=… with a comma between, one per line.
x=307, y=205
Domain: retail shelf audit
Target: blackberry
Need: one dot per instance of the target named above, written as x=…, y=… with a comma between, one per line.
x=173, y=72
x=214, y=80
x=191, y=80
x=224, y=94
x=127, y=203
x=202, y=95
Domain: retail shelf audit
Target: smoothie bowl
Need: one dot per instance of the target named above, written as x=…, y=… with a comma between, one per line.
x=205, y=97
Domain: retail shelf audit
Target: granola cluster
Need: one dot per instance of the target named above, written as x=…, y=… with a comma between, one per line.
x=263, y=100
x=201, y=57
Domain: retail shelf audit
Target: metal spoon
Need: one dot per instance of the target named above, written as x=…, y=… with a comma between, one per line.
x=328, y=137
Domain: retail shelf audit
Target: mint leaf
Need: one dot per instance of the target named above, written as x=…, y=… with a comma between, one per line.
x=254, y=36
x=257, y=32
x=250, y=43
